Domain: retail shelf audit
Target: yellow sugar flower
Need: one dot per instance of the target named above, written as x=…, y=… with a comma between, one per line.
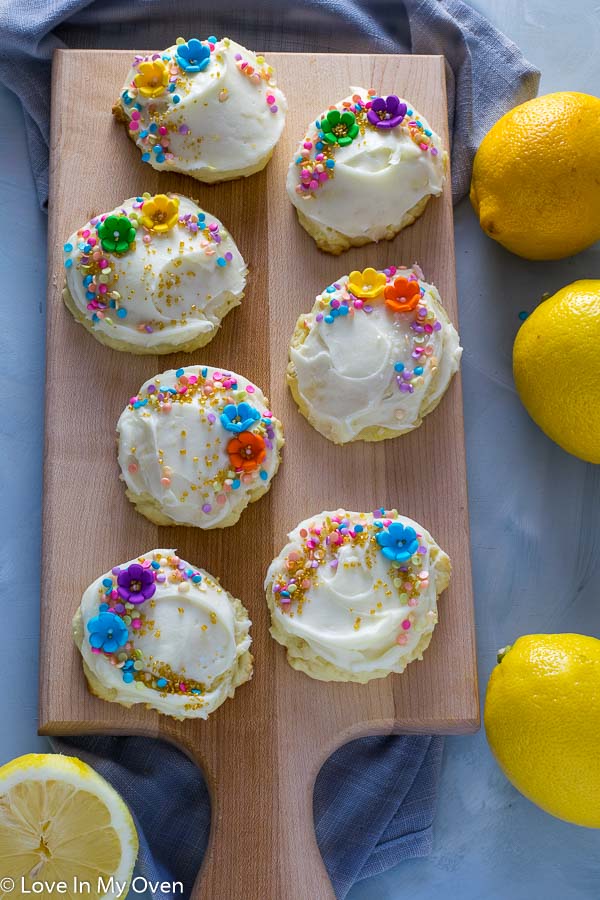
x=368, y=283
x=152, y=78
x=160, y=213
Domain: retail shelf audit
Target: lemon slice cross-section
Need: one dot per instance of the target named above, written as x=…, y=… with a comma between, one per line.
x=62, y=822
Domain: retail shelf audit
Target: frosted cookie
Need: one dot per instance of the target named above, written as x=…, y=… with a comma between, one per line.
x=159, y=631
x=364, y=170
x=155, y=275
x=210, y=109
x=353, y=596
x=196, y=446
x=374, y=356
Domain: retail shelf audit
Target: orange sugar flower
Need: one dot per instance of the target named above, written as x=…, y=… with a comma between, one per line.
x=246, y=451
x=403, y=295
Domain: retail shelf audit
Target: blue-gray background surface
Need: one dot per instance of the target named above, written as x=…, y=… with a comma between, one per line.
x=534, y=510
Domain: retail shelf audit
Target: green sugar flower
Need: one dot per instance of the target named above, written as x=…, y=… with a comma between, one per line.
x=116, y=234
x=339, y=128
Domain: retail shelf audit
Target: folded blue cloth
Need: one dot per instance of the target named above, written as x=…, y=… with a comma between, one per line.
x=486, y=73
x=374, y=798
x=374, y=803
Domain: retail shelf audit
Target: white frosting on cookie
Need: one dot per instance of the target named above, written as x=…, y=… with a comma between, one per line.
x=365, y=188
x=159, y=631
x=168, y=287
x=198, y=444
x=348, y=607
x=358, y=364
x=220, y=122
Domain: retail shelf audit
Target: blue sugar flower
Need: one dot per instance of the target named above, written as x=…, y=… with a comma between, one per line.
x=240, y=417
x=193, y=56
x=398, y=543
x=108, y=632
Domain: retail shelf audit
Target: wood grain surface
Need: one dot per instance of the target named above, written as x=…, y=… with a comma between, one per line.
x=261, y=751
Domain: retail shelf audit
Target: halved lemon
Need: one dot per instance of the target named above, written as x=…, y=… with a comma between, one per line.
x=62, y=822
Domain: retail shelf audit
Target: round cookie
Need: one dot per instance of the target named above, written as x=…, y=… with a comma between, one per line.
x=353, y=596
x=154, y=275
x=210, y=109
x=364, y=170
x=196, y=446
x=374, y=356
x=159, y=631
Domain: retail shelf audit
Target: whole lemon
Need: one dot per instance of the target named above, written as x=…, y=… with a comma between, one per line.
x=542, y=720
x=536, y=177
x=556, y=365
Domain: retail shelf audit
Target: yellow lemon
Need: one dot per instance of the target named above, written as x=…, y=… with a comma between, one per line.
x=542, y=719
x=556, y=365
x=536, y=177
x=60, y=821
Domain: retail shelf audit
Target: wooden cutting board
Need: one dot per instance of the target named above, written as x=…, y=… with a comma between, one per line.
x=261, y=751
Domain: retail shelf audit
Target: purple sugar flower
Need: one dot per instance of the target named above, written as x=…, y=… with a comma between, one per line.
x=386, y=113
x=136, y=584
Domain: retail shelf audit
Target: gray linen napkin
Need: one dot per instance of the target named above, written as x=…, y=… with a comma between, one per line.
x=373, y=806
